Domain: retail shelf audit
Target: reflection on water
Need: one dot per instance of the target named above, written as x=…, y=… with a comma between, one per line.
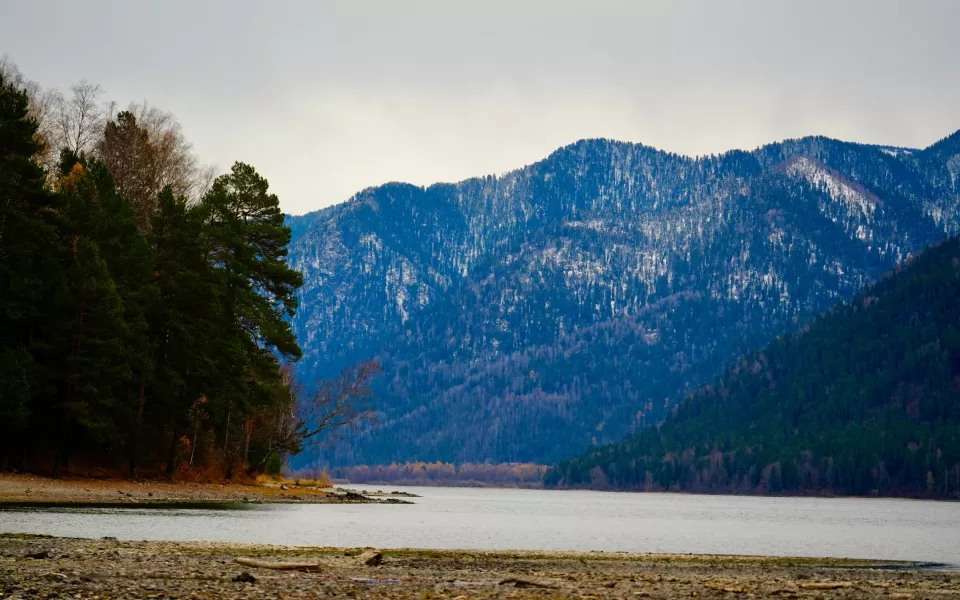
x=547, y=520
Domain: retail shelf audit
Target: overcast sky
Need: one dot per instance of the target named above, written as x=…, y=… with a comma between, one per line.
x=326, y=98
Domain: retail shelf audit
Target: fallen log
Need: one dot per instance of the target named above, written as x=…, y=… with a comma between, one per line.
x=826, y=585
x=526, y=583
x=726, y=587
x=281, y=566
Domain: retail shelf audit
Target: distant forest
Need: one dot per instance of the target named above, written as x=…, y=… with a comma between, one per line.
x=445, y=474
x=864, y=401
x=145, y=303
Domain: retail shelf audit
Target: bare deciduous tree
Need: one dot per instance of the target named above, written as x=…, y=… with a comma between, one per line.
x=337, y=406
x=176, y=164
x=143, y=159
x=81, y=118
x=126, y=150
x=146, y=151
x=43, y=107
x=10, y=72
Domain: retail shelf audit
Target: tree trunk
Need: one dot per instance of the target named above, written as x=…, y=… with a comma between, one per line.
x=172, y=456
x=137, y=428
x=71, y=391
x=62, y=460
x=248, y=430
x=226, y=433
x=193, y=445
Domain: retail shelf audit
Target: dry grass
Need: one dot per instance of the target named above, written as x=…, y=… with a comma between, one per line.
x=319, y=478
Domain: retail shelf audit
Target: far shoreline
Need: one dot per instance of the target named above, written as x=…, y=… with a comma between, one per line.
x=824, y=495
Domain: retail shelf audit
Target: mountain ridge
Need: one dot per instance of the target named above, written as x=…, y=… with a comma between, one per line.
x=807, y=138
x=460, y=287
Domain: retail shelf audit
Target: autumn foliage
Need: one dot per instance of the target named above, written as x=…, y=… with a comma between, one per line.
x=440, y=473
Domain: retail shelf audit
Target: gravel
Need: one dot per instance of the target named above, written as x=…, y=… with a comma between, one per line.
x=106, y=568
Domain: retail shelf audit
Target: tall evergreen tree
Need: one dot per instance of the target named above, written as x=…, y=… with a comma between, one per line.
x=183, y=322
x=29, y=272
x=130, y=262
x=97, y=349
x=248, y=240
x=96, y=359
x=248, y=247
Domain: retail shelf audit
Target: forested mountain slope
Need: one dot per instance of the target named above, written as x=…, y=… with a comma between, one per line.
x=865, y=400
x=527, y=316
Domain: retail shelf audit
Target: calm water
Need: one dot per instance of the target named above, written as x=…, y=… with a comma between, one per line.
x=537, y=519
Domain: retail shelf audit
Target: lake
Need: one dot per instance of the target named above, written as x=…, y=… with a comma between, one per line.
x=449, y=518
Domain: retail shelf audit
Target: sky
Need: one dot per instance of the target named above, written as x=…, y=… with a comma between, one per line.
x=328, y=97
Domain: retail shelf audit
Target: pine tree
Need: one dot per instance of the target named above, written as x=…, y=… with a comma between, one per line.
x=182, y=318
x=130, y=262
x=29, y=272
x=248, y=246
x=95, y=360
x=248, y=240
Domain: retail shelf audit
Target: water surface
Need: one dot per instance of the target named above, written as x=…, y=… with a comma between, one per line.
x=496, y=519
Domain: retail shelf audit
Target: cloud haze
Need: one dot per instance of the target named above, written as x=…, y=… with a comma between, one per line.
x=326, y=98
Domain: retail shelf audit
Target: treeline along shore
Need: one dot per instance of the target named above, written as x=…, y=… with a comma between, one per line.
x=525, y=475
x=145, y=303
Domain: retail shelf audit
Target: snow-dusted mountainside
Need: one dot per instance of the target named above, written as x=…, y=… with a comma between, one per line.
x=524, y=317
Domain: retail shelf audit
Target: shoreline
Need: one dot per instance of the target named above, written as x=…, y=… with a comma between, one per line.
x=109, y=568
x=33, y=490
x=39, y=490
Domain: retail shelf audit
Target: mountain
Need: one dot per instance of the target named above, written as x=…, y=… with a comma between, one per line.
x=572, y=302
x=864, y=400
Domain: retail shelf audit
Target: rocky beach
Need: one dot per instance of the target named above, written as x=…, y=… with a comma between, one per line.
x=48, y=567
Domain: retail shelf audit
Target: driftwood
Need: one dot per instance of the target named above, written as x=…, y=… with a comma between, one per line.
x=726, y=587
x=826, y=585
x=526, y=583
x=283, y=566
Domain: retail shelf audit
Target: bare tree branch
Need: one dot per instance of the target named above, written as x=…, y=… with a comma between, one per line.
x=338, y=405
x=81, y=117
